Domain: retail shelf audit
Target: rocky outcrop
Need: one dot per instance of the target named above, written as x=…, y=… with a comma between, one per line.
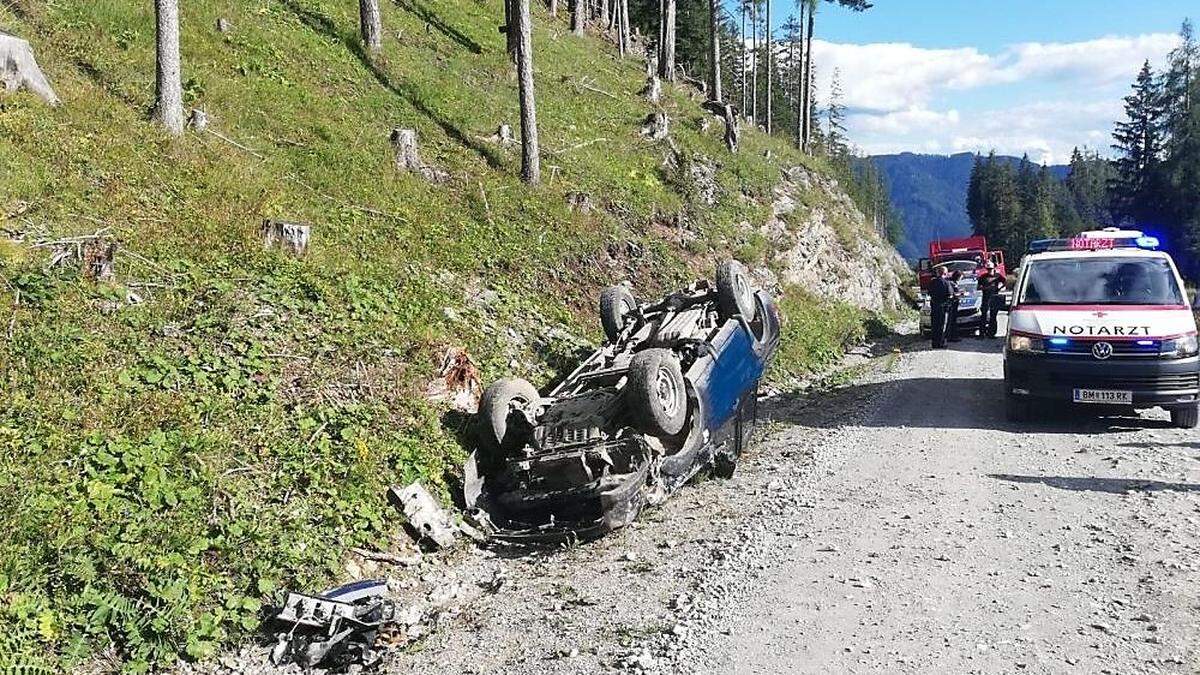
x=821, y=242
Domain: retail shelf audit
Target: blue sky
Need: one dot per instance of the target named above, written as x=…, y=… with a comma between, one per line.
x=1019, y=76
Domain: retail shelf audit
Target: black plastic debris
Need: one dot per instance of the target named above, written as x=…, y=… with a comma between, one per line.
x=334, y=629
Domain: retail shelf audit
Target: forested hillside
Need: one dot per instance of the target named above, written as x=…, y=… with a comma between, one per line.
x=192, y=421
x=929, y=193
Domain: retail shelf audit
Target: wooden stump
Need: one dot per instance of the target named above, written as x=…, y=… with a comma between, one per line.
x=653, y=90
x=223, y=25
x=731, y=129
x=198, y=120
x=289, y=237
x=404, y=143
x=579, y=202
x=19, y=70
x=656, y=126
x=96, y=259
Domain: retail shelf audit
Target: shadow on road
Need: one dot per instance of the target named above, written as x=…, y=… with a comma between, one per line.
x=1116, y=486
x=942, y=403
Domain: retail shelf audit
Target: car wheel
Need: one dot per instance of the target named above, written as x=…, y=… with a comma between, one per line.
x=495, y=407
x=1185, y=418
x=1016, y=409
x=615, y=303
x=735, y=295
x=656, y=393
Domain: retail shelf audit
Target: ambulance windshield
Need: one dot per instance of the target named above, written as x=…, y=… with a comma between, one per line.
x=1091, y=280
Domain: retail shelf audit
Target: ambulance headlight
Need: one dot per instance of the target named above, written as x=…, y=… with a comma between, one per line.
x=1024, y=344
x=1180, y=348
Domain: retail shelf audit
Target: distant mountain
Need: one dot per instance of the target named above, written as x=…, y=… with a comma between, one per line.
x=930, y=193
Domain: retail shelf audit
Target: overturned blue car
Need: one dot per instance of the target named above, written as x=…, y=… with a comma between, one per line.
x=673, y=391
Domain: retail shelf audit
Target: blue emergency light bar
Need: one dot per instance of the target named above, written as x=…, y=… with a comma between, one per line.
x=1093, y=244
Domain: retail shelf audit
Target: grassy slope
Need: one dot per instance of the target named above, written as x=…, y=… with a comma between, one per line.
x=166, y=466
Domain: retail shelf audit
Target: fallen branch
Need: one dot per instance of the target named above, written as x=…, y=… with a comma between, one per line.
x=577, y=146
x=390, y=558
x=583, y=84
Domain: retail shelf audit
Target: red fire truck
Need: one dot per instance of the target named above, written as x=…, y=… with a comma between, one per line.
x=963, y=252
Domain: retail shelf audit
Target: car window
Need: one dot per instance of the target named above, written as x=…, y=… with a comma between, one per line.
x=1101, y=281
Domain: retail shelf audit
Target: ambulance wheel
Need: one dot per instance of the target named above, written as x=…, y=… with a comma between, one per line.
x=1185, y=418
x=1017, y=409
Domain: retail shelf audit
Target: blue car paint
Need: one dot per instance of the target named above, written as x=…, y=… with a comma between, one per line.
x=734, y=371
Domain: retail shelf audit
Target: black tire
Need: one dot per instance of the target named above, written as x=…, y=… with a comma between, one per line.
x=615, y=303
x=495, y=406
x=656, y=394
x=735, y=295
x=1185, y=418
x=1016, y=409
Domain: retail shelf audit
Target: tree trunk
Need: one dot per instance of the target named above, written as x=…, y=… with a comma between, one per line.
x=371, y=25
x=754, y=62
x=510, y=29
x=625, y=21
x=666, y=60
x=798, y=73
x=531, y=171
x=554, y=8
x=770, y=60
x=286, y=236
x=604, y=15
x=577, y=18
x=742, y=51
x=621, y=19
x=808, y=93
x=168, y=85
x=731, y=129
x=714, y=51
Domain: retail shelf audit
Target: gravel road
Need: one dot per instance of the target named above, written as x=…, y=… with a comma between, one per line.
x=897, y=524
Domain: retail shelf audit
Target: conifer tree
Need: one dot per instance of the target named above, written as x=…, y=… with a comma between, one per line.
x=1138, y=141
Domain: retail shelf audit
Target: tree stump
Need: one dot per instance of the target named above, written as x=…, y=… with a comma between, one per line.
x=96, y=259
x=18, y=69
x=223, y=25
x=198, y=120
x=287, y=236
x=580, y=202
x=404, y=142
x=731, y=129
x=504, y=135
x=656, y=126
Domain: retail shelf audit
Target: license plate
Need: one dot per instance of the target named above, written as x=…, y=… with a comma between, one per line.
x=1103, y=396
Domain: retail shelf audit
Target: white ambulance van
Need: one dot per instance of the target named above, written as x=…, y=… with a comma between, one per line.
x=1101, y=320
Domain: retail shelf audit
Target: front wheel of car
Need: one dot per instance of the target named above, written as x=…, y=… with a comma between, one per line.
x=1185, y=418
x=1016, y=409
x=656, y=393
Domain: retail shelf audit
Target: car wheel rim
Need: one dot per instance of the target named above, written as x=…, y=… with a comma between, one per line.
x=667, y=392
x=743, y=289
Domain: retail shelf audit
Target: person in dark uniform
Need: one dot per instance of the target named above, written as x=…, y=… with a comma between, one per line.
x=991, y=284
x=939, y=299
x=952, y=307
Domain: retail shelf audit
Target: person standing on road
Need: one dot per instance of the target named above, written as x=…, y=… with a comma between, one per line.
x=952, y=307
x=991, y=284
x=939, y=299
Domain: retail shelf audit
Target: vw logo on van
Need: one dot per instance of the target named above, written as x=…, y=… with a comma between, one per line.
x=1102, y=350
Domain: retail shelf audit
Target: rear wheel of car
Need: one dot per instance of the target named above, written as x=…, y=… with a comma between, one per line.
x=656, y=393
x=1016, y=409
x=735, y=295
x=615, y=303
x=1185, y=418
x=495, y=408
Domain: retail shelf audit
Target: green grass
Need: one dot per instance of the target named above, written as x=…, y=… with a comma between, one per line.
x=169, y=465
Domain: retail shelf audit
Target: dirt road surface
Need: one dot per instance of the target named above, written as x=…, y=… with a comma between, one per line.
x=897, y=525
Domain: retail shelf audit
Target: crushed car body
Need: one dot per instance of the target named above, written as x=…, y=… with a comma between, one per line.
x=671, y=392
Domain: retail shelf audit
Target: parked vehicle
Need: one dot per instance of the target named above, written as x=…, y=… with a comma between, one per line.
x=970, y=307
x=671, y=392
x=970, y=254
x=1102, y=320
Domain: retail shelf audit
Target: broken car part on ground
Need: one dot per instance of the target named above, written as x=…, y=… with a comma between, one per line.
x=335, y=628
x=673, y=390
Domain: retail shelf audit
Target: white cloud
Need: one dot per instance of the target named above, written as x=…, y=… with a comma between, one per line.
x=1050, y=96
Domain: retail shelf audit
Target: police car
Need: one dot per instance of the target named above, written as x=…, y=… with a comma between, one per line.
x=1102, y=320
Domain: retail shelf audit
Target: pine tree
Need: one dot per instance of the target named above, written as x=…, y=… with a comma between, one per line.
x=837, y=142
x=1138, y=142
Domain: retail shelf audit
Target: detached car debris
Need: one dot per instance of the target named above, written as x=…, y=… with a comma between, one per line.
x=334, y=629
x=672, y=391
x=429, y=521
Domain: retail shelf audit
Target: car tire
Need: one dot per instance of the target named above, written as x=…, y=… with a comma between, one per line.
x=495, y=406
x=1185, y=418
x=615, y=303
x=735, y=295
x=1016, y=409
x=656, y=393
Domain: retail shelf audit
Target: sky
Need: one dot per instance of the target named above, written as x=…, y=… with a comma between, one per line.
x=1036, y=77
